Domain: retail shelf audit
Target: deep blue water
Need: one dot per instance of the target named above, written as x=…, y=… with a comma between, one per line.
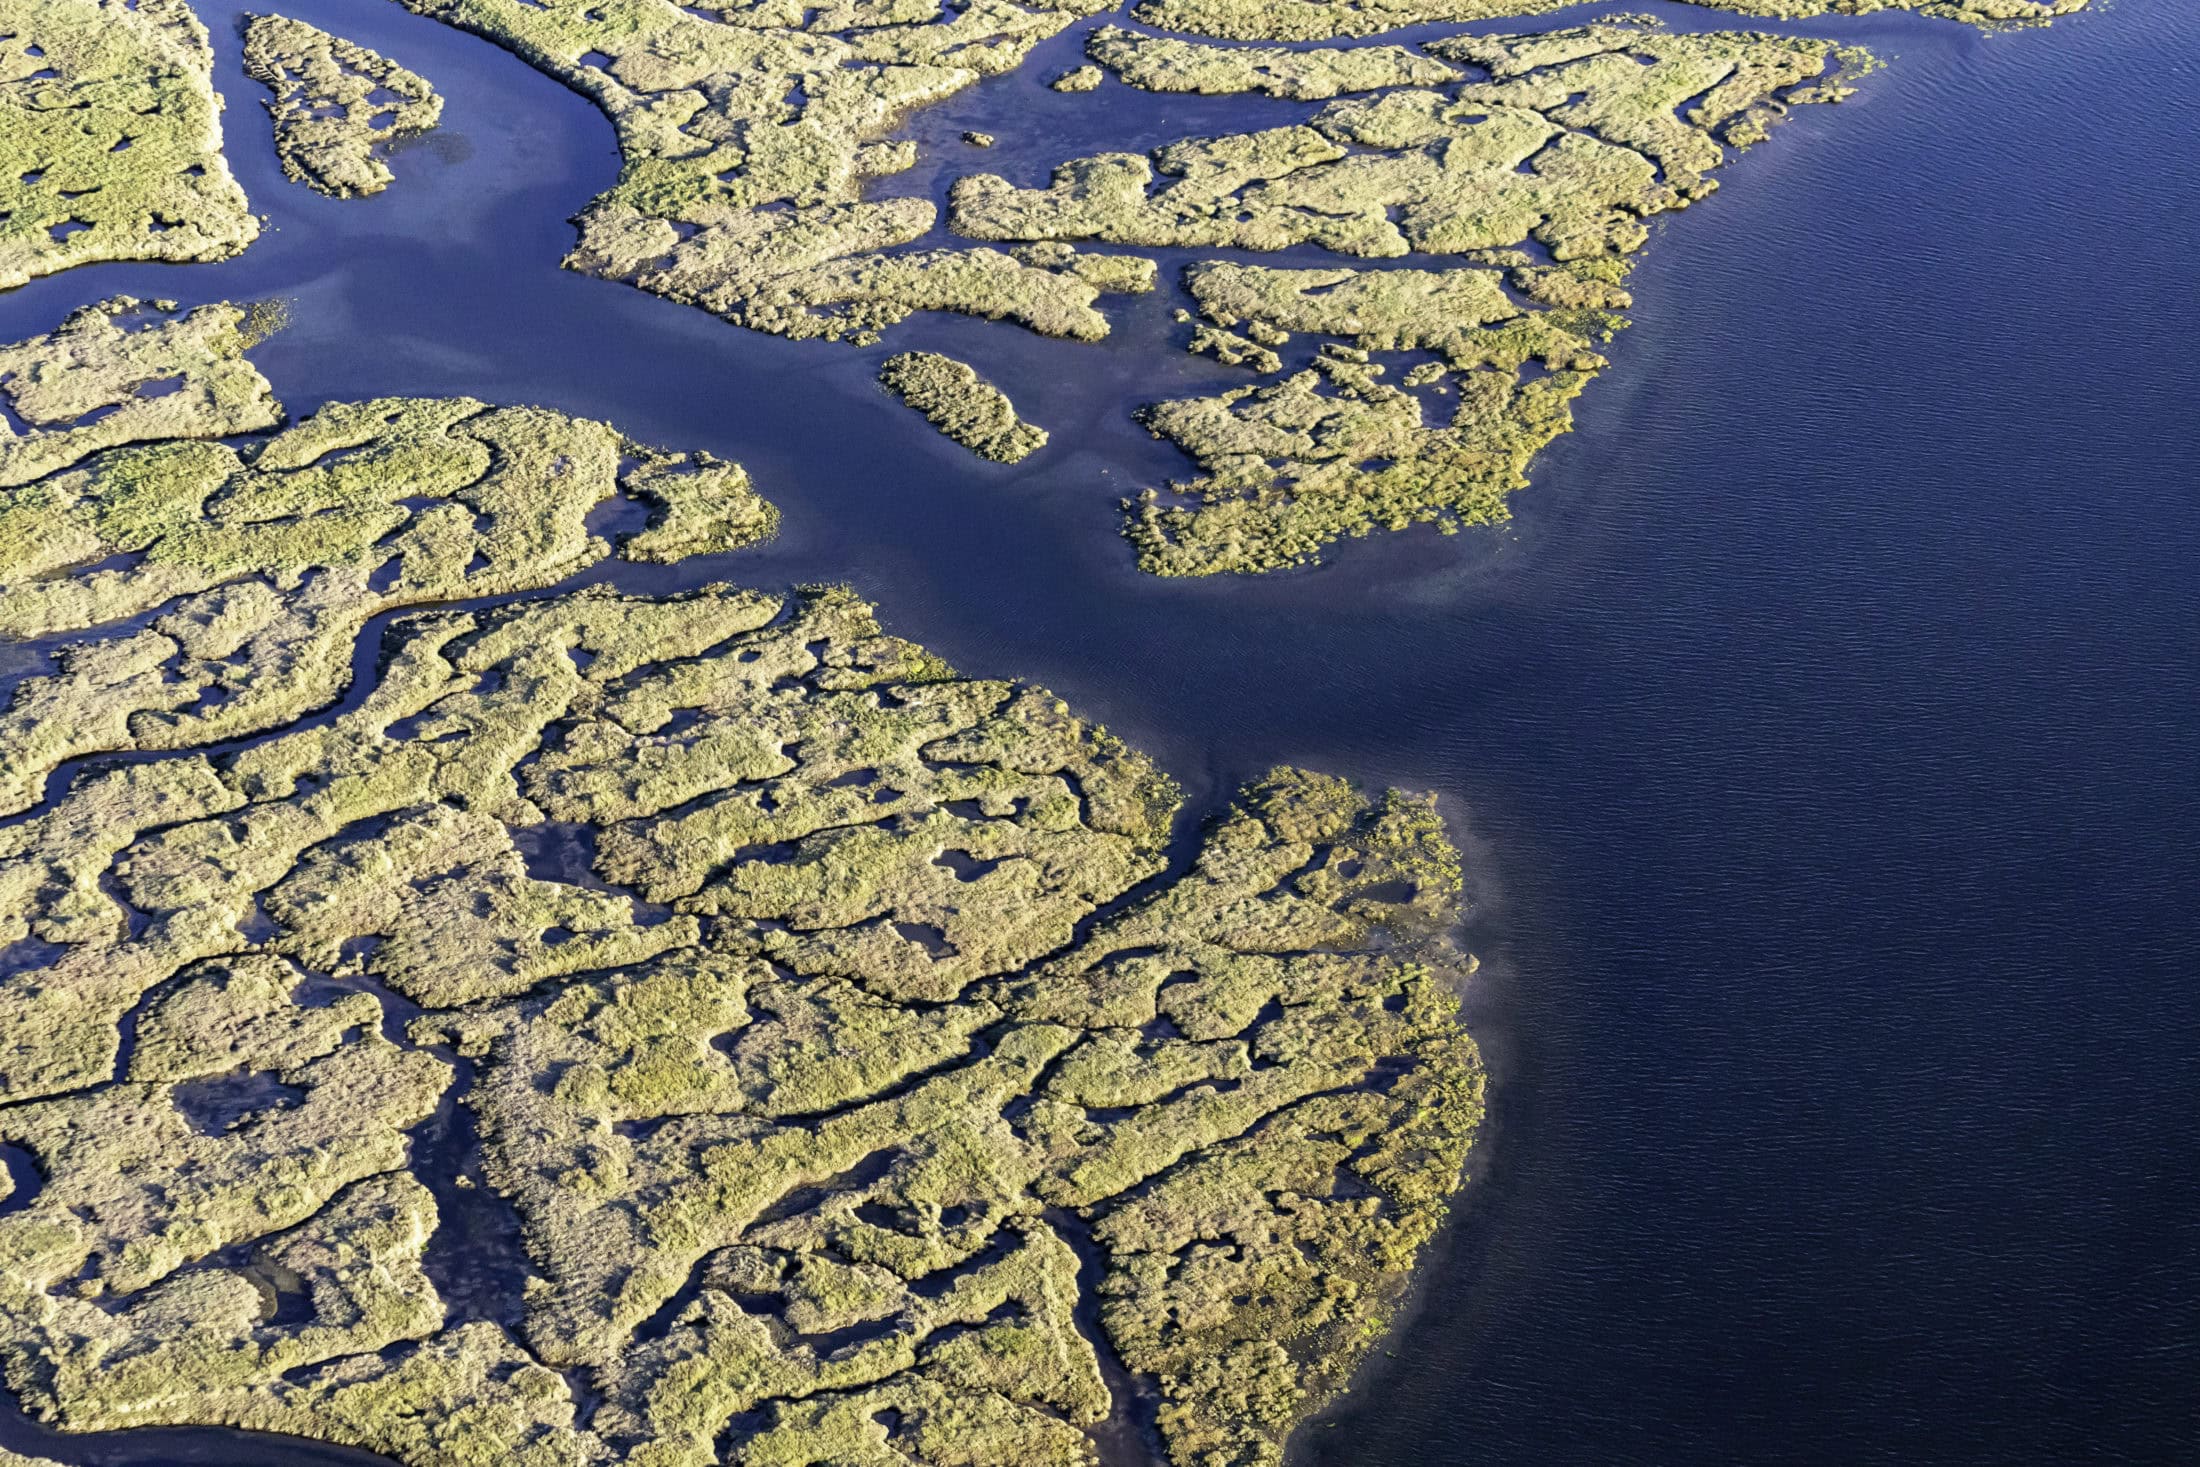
x=1822, y=727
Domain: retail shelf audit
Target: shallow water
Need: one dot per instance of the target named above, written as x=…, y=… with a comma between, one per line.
x=1822, y=726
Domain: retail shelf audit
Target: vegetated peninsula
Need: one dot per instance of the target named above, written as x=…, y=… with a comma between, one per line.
x=1516, y=172
x=1321, y=20
x=664, y=1030
x=337, y=106
x=110, y=138
x=1526, y=191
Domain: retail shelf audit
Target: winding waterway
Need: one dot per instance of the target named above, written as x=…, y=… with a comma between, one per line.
x=1823, y=725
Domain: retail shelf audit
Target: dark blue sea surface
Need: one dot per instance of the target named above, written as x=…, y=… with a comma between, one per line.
x=1823, y=727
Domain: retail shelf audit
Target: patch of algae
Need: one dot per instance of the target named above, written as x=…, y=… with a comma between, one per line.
x=962, y=405
x=227, y=585
x=1569, y=141
x=110, y=138
x=336, y=105
x=873, y=1088
x=748, y=130
x=1321, y=20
